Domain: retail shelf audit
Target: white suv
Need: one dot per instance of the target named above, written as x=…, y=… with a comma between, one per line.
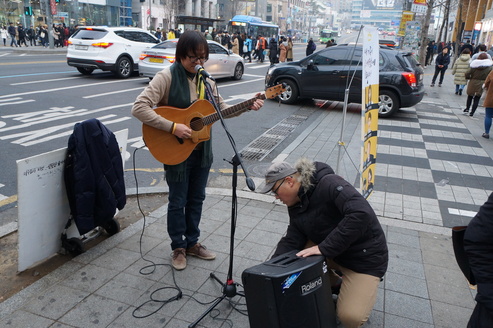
x=115, y=49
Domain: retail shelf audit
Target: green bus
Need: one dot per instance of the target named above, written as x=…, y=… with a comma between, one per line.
x=327, y=34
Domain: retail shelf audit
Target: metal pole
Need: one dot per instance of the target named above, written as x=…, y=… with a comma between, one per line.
x=341, y=137
x=149, y=26
x=49, y=22
x=75, y=8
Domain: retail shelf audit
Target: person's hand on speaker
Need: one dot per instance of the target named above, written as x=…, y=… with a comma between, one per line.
x=314, y=250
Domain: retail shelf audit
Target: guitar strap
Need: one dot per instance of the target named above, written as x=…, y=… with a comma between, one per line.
x=200, y=87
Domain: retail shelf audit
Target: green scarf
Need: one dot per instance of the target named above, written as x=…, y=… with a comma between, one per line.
x=179, y=96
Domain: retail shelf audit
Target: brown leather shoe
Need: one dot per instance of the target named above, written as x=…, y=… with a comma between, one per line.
x=201, y=252
x=179, y=259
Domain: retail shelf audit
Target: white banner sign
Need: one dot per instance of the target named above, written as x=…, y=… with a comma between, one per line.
x=369, y=111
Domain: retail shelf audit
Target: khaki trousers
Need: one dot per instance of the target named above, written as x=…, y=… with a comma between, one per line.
x=357, y=296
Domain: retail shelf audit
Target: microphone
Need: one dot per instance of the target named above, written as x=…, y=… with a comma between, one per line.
x=203, y=72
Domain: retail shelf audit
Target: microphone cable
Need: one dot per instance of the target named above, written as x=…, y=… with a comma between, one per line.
x=152, y=266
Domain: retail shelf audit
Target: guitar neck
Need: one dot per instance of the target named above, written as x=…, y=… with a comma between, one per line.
x=235, y=109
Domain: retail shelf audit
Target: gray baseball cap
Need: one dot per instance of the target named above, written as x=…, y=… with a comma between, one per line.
x=276, y=171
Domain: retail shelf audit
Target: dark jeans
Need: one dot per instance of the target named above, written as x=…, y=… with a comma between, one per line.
x=12, y=40
x=260, y=55
x=442, y=73
x=475, y=101
x=488, y=116
x=459, y=87
x=249, y=54
x=185, y=203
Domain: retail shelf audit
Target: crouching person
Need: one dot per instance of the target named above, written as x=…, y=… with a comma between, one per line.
x=329, y=217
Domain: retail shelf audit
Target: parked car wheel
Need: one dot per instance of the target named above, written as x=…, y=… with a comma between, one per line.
x=291, y=94
x=124, y=67
x=85, y=70
x=389, y=103
x=238, y=72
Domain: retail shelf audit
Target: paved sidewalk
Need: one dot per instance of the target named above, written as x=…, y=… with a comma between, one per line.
x=423, y=287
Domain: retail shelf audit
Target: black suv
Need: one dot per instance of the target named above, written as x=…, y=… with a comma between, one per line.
x=325, y=74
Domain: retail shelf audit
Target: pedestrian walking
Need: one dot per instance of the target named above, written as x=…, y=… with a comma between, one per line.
x=283, y=50
x=310, y=47
x=430, y=51
x=289, y=53
x=12, y=31
x=247, y=48
x=56, y=35
x=260, y=48
x=441, y=64
x=43, y=35
x=171, y=34
x=31, y=36
x=459, y=70
x=476, y=74
x=22, y=35
x=273, y=51
x=488, y=104
x=218, y=37
x=235, y=44
x=226, y=40
x=158, y=34
x=4, y=34
x=481, y=49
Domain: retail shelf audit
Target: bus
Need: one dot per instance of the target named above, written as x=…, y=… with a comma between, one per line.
x=251, y=25
x=327, y=34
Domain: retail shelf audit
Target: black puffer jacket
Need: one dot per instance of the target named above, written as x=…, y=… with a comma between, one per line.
x=93, y=175
x=442, y=59
x=336, y=217
x=478, y=243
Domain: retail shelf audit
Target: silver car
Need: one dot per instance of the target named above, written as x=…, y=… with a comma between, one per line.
x=222, y=62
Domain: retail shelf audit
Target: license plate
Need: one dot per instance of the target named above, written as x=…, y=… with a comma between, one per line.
x=156, y=60
x=81, y=47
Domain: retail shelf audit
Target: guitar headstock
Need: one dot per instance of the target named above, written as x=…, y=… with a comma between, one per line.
x=275, y=91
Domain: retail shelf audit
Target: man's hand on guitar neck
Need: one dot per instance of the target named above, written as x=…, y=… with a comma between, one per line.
x=182, y=131
x=258, y=103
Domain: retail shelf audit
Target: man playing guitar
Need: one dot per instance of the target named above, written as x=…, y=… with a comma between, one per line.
x=179, y=86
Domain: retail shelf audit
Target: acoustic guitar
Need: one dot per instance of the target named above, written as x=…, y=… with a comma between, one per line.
x=171, y=150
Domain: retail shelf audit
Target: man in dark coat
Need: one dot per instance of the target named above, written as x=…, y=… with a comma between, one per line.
x=478, y=243
x=273, y=51
x=12, y=32
x=329, y=217
x=430, y=50
x=441, y=64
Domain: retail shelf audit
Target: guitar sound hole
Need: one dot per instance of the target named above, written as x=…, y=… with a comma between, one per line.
x=196, y=124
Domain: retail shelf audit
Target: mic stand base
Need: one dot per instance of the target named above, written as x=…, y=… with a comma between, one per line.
x=229, y=288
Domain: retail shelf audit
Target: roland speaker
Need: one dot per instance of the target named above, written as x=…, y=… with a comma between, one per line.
x=289, y=292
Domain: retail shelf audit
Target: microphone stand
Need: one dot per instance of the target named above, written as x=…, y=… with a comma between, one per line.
x=229, y=287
